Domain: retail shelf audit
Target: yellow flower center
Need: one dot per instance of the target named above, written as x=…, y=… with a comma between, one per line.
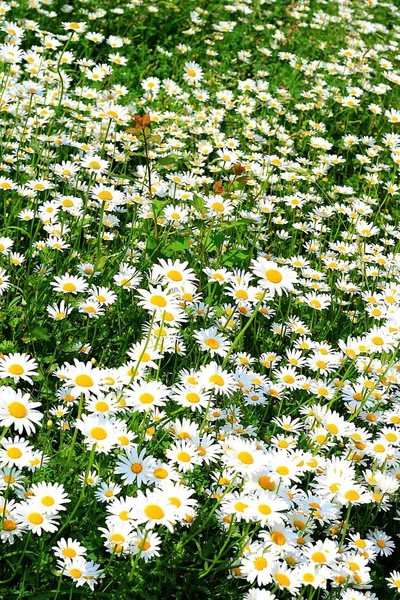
x=14, y=453
x=246, y=458
x=155, y=512
x=17, y=410
x=273, y=275
x=84, y=381
x=98, y=433
x=35, y=518
x=183, y=457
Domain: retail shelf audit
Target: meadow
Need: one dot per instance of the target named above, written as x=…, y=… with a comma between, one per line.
x=199, y=299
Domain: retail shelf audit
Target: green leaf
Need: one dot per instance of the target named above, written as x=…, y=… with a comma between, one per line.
x=40, y=333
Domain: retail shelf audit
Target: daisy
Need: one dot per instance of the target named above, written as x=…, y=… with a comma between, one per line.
x=118, y=536
x=184, y=455
x=146, y=543
x=16, y=452
x=68, y=549
x=18, y=366
x=174, y=273
x=146, y=395
x=17, y=410
x=91, y=308
x=285, y=578
x=80, y=571
x=69, y=284
x=156, y=300
x=153, y=508
x=103, y=295
x=273, y=277
x=193, y=397
x=4, y=281
x=383, y=544
x=217, y=379
x=107, y=492
x=163, y=473
x=258, y=565
x=394, y=580
x=210, y=340
x=243, y=456
x=267, y=509
x=83, y=379
x=99, y=431
x=193, y=73
x=134, y=467
x=59, y=311
x=33, y=516
x=51, y=497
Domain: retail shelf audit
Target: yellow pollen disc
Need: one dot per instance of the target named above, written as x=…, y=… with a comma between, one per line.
x=288, y=379
x=136, y=468
x=14, y=453
x=318, y=557
x=212, y=343
x=246, y=458
x=112, y=114
x=282, y=579
x=105, y=195
x=242, y=294
x=123, y=515
x=332, y=428
x=381, y=544
x=282, y=470
x=273, y=275
x=102, y=406
x=69, y=287
x=260, y=563
x=143, y=545
x=352, y=495
x=192, y=397
x=278, y=538
x=117, y=537
x=379, y=448
x=146, y=398
x=47, y=500
x=266, y=483
x=84, y=381
x=15, y=369
x=158, y=301
x=98, y=433
x=161, y=473
x=216, y=379
x=109, y=494
x=264, y=509
x=35, y=518
x=183, y=457
x=174, y=275
x=69, y=553
x=218, y=206
x=241, y=506
x=153, y=511
x=17, y=410
x=75, y=573
x=191, y=73
x=175, y=501
x=94, y=164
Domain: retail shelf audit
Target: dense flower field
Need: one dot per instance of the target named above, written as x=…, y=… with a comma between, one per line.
x=200, y=299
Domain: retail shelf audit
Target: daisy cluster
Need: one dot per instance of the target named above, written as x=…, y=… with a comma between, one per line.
x=200, y=294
